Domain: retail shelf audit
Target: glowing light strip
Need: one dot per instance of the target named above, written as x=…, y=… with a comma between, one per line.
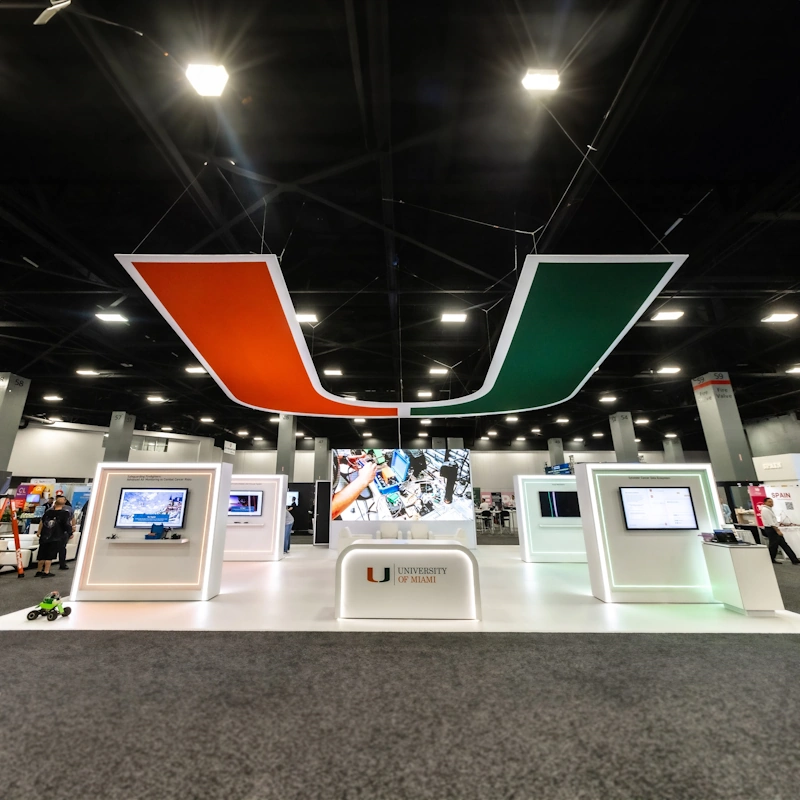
x=256, y=481
x=538, y=481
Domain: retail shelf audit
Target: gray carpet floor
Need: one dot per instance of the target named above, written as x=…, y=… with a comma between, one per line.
x=246, y=716
x=17, y=593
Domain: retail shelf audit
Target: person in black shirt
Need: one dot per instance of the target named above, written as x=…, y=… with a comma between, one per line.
x=55, y=529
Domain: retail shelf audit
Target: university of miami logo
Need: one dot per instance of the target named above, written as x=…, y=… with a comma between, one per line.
x=540, y=360
x=387, y=575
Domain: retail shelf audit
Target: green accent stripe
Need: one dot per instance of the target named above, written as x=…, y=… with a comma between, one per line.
x=573, y=314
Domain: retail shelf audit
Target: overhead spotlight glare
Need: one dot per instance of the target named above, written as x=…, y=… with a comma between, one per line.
x=512, y=419
x=196, y=370
x=541, y=80
x=274, y=419
x=242, y=433
x=359, y=419
x=166, y=428
x=609, y=398
x=780, y=317
x=792, y=371
x=306, y=317
x=492, y=433
x=668, y=370
x=454, y=317
x=641, y=421
x=562, y=420
x=299, y=433
x=424, y=422
x=308, y=437
x=111, y=317
x=367, y=433
x=208, y=80
x=206, y=419
x=598, y=435
x=485, y=438
x=54, y=398
x=665, y=316
x=637, y=440
x=86, y=372
x=438, y=371
x=424, y=393
x=520, y=438
x=578, y=439
x=671, y=435
x=422, y=433
x=336, y=372
x=258, y=438
x=536, y=430
x=155, y=398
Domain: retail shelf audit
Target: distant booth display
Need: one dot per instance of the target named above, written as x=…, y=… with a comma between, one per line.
x=550, y=528
x=255, y=518
x=401, y=494
x=154, y=533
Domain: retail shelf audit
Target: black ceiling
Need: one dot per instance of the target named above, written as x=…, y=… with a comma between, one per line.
x=364, y=137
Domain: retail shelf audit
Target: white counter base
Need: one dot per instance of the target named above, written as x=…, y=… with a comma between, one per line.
x=297, y=594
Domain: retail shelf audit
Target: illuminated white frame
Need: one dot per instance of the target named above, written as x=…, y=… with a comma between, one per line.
x=99, y=487
x=594, y=471
x=275, y=482
x=377, y=548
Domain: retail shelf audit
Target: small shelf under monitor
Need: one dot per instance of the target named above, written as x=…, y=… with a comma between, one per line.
x=147, y=541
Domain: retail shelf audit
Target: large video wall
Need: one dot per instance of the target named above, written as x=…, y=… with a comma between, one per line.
x=377, y=484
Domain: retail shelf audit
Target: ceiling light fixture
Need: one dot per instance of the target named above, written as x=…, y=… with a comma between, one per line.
x=541, y=80
x=86, y=372
x=306, y=317
x=196, y=370
x=52, y=398
x=242, y=433
x=438, y=371
x=208, y=79
x=637, y=440
x=44, y=18
x=598, y=435
x=536, y=430
x=671, y=435
x=424, y=422
x=780, y=317
x=258, y=438
x=424, y=393
x=422, y=433
x=274, y=419
x=485, y=438
x=792, y=371
x=512, y=419
x=359, y=419
x=333, y=372
x=105, y=317
x=155, y=398
x=641, y=421
x=520, y=438
x=206, y=419
x=664, y=316
x=367, y=433
x=55, y=419
x=562, y=420
x=668, y=370
x=454, y=317
x=578, y=439
x=299, y=433
x=609, y=398
x=166, y=428
x=492, y=433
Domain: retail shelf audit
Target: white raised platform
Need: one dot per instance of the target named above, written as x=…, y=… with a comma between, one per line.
x=297, y=593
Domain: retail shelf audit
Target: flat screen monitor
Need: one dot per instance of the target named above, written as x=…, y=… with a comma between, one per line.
x=141, y=508
x=556, y=505
x=650, y=508
x=292, y=498
x=245, y=504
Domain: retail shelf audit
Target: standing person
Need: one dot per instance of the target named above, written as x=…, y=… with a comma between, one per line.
x=776, y=538
x=287, y=536
x=56, y=526
x=61, y=502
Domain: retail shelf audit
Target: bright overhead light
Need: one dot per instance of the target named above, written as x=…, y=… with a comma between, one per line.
x=671, y=435
x=332, y=372
x=424, y=393
x=492, y=433
x=641, y=421
x=520, y=438
x=274, y=419
x=792, y=371
x=578, y=439
x=306, y=317
x=780, y=317
x=664, y=316
x=562, y=420
x=366, y=433
x=542, y=80
x=208, y=80
x=512, y=419
x=536, y=430
x=206, y=419
x=166, y=428
x=438, y=371
x=155, y=398
x=308, y=437
x=609, y=398
x=258, y=438
x=242, y=433
x=668, y=370
x=111, y=317
x=55, y=419
x=485, y=438
x=86, y=372
x=299, y=433
x=196, y=370
x=359, y=419
x=454, y=317
x=422, y=433
x=598, y=435
x=54, y=398
x=637, y=440
x=424, y=422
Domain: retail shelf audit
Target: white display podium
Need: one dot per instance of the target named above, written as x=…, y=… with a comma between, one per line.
x=407, y=579
x=547, y=539
x=258, y=538
x=118, y=563
x=743, y=578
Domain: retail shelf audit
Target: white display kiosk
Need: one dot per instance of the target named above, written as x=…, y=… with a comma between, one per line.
x=256, y=532
x=547, y=532
x=117, y=562
x=407, y=579
x=646, y=565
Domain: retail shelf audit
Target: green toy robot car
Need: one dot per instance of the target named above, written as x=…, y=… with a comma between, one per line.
x=50, y=607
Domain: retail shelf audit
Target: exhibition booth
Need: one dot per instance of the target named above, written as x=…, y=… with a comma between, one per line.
x=256, y=514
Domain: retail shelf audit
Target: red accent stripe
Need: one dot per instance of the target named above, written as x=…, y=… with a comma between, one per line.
x=711, y=383
x=231, y=313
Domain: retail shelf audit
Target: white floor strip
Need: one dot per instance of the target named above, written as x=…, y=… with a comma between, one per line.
x=297, y=594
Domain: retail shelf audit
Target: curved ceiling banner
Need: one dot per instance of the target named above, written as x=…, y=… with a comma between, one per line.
x=567, y=314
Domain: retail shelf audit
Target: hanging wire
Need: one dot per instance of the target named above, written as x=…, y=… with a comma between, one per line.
x=161, y=218
x=255, y=227
x=455, y=216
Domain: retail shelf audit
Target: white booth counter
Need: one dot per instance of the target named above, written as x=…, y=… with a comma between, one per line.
x=550, y=528
x=407, y=579
x=650, y=550
x=256, y=518
x=117, y=562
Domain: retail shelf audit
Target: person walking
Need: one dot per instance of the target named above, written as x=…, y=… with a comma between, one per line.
x=773, y=533
x=55, y=527
x=287, y=535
